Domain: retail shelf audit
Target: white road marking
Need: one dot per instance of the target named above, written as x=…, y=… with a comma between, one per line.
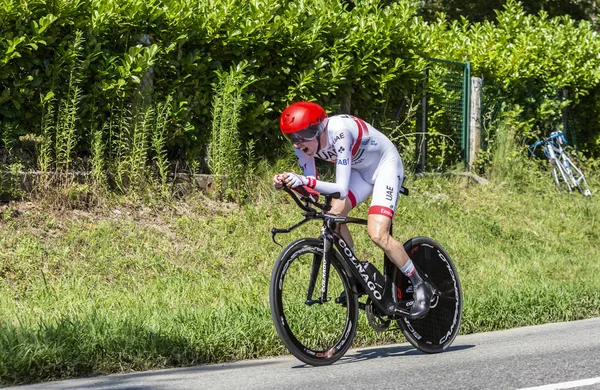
x=566, y=385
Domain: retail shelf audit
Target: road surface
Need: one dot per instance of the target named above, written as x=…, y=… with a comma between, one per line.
x=552, y=356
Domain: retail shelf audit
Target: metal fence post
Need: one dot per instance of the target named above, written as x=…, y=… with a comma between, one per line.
x=445, y=123
x=466, y=112
x=421, y=144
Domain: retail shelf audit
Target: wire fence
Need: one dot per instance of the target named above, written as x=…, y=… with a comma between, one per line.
x=443, y=141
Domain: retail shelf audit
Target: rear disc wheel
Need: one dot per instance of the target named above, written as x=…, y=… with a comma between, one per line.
x=437, y=330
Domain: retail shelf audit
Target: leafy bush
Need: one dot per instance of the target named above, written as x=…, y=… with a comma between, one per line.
x=366, y=60
x=309, y=50
x=526, y=60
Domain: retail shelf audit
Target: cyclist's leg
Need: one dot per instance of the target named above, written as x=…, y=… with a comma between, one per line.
x=388, y=179
x=343, y=207
x=358, y=191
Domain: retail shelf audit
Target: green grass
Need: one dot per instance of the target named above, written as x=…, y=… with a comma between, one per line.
x=85, y=293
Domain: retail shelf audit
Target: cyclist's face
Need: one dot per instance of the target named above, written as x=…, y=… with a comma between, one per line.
x=308, y=147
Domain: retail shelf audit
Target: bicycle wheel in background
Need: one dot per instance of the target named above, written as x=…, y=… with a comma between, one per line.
x=317, y=333
x=437, y=330
x=560, y=177
x=579, y=180
x=583, y=187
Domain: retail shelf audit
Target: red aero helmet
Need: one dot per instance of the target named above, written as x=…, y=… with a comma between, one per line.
x=302, y=121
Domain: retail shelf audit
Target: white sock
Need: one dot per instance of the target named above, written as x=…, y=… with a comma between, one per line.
x=408, y=269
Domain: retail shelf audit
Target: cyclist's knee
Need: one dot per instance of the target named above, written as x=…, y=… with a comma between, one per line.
x=379, y=235
x=378, y=228
x=341, y=206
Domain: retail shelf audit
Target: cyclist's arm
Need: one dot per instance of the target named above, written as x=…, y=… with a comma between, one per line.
x=343, y=146
x=309, y=169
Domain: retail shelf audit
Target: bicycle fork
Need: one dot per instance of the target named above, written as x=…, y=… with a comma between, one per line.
x=325, y=264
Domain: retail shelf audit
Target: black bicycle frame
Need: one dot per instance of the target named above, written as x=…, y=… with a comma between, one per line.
x=377, y=286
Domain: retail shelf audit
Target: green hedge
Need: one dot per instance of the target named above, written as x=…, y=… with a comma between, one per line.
x=366, y=60
x=309, y=50
x=542, y=64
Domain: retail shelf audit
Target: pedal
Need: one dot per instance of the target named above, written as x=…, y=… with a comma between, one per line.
x=342, y=299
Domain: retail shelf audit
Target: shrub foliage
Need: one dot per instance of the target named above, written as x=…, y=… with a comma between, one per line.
x=367, y=59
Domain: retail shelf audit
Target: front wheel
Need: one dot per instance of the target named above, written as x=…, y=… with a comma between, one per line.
x=437, y=330
x=317, y=331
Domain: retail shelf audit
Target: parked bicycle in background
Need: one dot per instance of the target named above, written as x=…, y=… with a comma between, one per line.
x=567, y=176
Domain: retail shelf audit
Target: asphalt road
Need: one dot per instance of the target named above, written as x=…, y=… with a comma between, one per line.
x=553, y=356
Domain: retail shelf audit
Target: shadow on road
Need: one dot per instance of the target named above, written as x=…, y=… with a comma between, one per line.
x=403, y=350
x=384, y=352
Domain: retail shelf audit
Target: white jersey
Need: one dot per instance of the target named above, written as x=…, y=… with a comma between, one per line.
x=367, y=162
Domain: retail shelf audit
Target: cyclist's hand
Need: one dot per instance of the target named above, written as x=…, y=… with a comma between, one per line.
x=294, y=180
x=278, y=181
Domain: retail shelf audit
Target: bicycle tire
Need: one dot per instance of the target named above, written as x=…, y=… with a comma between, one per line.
x=583, y=187
x=580, y=183
x=321, y=333
x=560, y=177
x=438, y=329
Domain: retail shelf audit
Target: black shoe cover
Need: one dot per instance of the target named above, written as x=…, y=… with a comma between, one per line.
x=422, y=294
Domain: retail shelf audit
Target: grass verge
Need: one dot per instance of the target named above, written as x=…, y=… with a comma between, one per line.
x=114, y=290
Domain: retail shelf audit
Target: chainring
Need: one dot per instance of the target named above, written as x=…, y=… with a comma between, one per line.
x=375, y=320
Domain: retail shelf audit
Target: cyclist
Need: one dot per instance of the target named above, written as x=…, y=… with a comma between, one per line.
x=368, y=163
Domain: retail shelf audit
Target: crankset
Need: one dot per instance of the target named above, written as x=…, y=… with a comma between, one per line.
x=376, y=321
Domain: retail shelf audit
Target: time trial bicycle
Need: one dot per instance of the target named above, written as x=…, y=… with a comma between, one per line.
x=317, y=282
x=567, y=176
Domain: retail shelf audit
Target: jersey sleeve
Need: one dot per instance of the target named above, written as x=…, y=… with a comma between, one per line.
x=309, y=169
x=307, y=164
x=342, y=142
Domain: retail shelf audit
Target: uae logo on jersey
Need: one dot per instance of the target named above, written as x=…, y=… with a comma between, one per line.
x=327, y=155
